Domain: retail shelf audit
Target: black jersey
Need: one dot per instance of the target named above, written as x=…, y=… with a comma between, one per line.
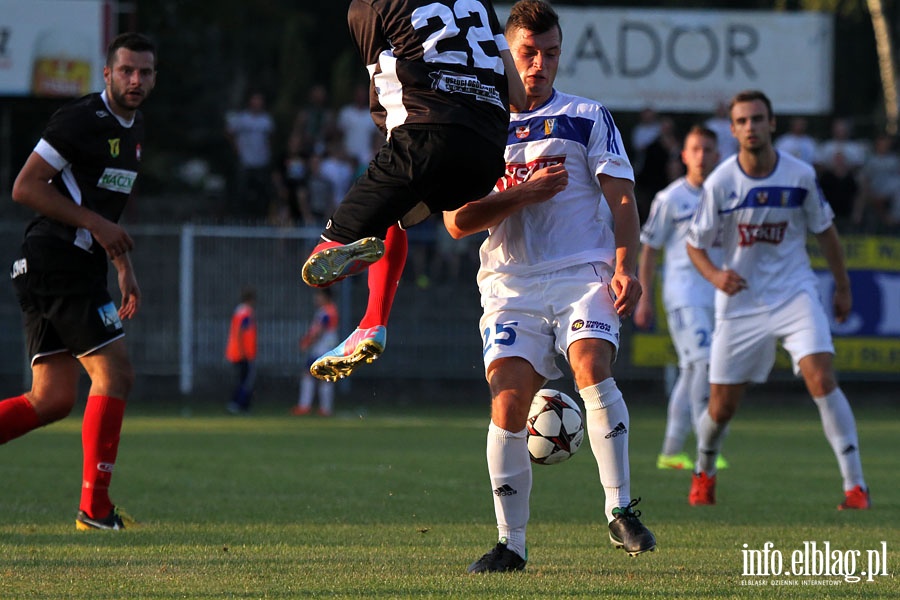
x=103, y=157
x=433, y=62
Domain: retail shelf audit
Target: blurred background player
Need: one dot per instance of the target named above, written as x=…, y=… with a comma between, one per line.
x=241, y=350
x=763, y=202
x=687, y=296
x=321, y=336
x=441, y=97
x=563, y=240
x=78, y=179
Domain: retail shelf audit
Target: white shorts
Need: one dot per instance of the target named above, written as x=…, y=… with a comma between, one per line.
x=691, y=330
x=743, y=348
x=538, y=317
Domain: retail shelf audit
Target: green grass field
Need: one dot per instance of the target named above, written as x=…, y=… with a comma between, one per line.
x=396, y=503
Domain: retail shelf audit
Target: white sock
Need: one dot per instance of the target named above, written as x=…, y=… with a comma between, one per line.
x=607, y=426
x=307, y=390
x=698, y=390
x=710, y=436
x=840, y=431
x=326, y=396
x=509, y=466
x=678, y=414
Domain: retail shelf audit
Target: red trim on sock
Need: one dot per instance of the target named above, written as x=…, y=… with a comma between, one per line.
x=17, y=417
x=384, y=277
x=100, y=434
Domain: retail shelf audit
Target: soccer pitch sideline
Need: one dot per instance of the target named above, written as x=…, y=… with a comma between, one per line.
x=395, y=503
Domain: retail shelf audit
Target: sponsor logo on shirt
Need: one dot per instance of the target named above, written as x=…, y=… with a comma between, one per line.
x=457, y=83
x=117, y=180
x=517, y=173
x=594, y=325
x=770, y=233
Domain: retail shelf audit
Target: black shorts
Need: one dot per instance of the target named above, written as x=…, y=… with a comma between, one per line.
x=65, y=304
x=421, y=170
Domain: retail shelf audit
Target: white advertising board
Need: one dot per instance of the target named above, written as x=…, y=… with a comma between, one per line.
x=689, y=60
x=51, y=47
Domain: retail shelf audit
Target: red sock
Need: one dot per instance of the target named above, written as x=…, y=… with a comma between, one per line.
x=384, y=277
x=17, y=417
x=100, y=442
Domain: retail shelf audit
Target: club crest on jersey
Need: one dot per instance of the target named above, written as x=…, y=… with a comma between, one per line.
x=114, y=145
x=522, y=132
x=549, y=127
x=137, y=152
x=762, y=197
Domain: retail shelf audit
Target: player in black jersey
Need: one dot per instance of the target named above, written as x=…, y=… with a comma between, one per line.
x=442, y=79
x=78, y=180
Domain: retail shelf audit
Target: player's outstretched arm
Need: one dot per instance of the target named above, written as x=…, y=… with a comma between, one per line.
x=33, y=189
x=480, y=215
x=830, y=244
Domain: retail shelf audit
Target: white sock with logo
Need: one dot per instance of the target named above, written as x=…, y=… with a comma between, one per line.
x=840, y=431
x=509, y=466
x=710, y=436
x=606, y=419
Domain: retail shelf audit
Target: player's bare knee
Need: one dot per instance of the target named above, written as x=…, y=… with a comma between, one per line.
x=721, y=414
x=52, y=404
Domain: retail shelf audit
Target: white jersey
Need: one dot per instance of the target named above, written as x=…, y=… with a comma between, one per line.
x=575, y=226
x=764, y=222
x=665, y=229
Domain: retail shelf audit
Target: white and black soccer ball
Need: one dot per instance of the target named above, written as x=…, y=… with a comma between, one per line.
x=555, y=427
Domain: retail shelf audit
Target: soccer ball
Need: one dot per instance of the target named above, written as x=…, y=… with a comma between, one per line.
x=555, y=427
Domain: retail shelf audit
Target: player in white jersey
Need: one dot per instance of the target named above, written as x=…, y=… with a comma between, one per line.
x=687, y=296
x=765, y=202
x=563, y=241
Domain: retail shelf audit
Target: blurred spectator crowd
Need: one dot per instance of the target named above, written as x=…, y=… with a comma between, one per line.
x=298, y=176
x=859, y=177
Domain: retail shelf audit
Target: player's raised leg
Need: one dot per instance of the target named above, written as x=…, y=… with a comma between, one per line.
x=368, y=341
x=332, y=261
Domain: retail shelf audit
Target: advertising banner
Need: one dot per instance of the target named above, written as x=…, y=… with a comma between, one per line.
x=690, y=60
x=867, y=342
x=51, y=48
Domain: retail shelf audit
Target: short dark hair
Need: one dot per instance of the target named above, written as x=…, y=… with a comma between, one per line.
x=136, y=42
x=750, y=96
x=703, y=131
x=534, y=15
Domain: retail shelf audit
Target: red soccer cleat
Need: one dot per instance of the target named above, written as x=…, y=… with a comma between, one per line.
x=703, y=490
x=856, y=499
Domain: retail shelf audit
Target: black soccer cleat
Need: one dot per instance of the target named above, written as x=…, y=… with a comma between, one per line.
x=628, y=533
x=498, y=560
x=116, y=519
